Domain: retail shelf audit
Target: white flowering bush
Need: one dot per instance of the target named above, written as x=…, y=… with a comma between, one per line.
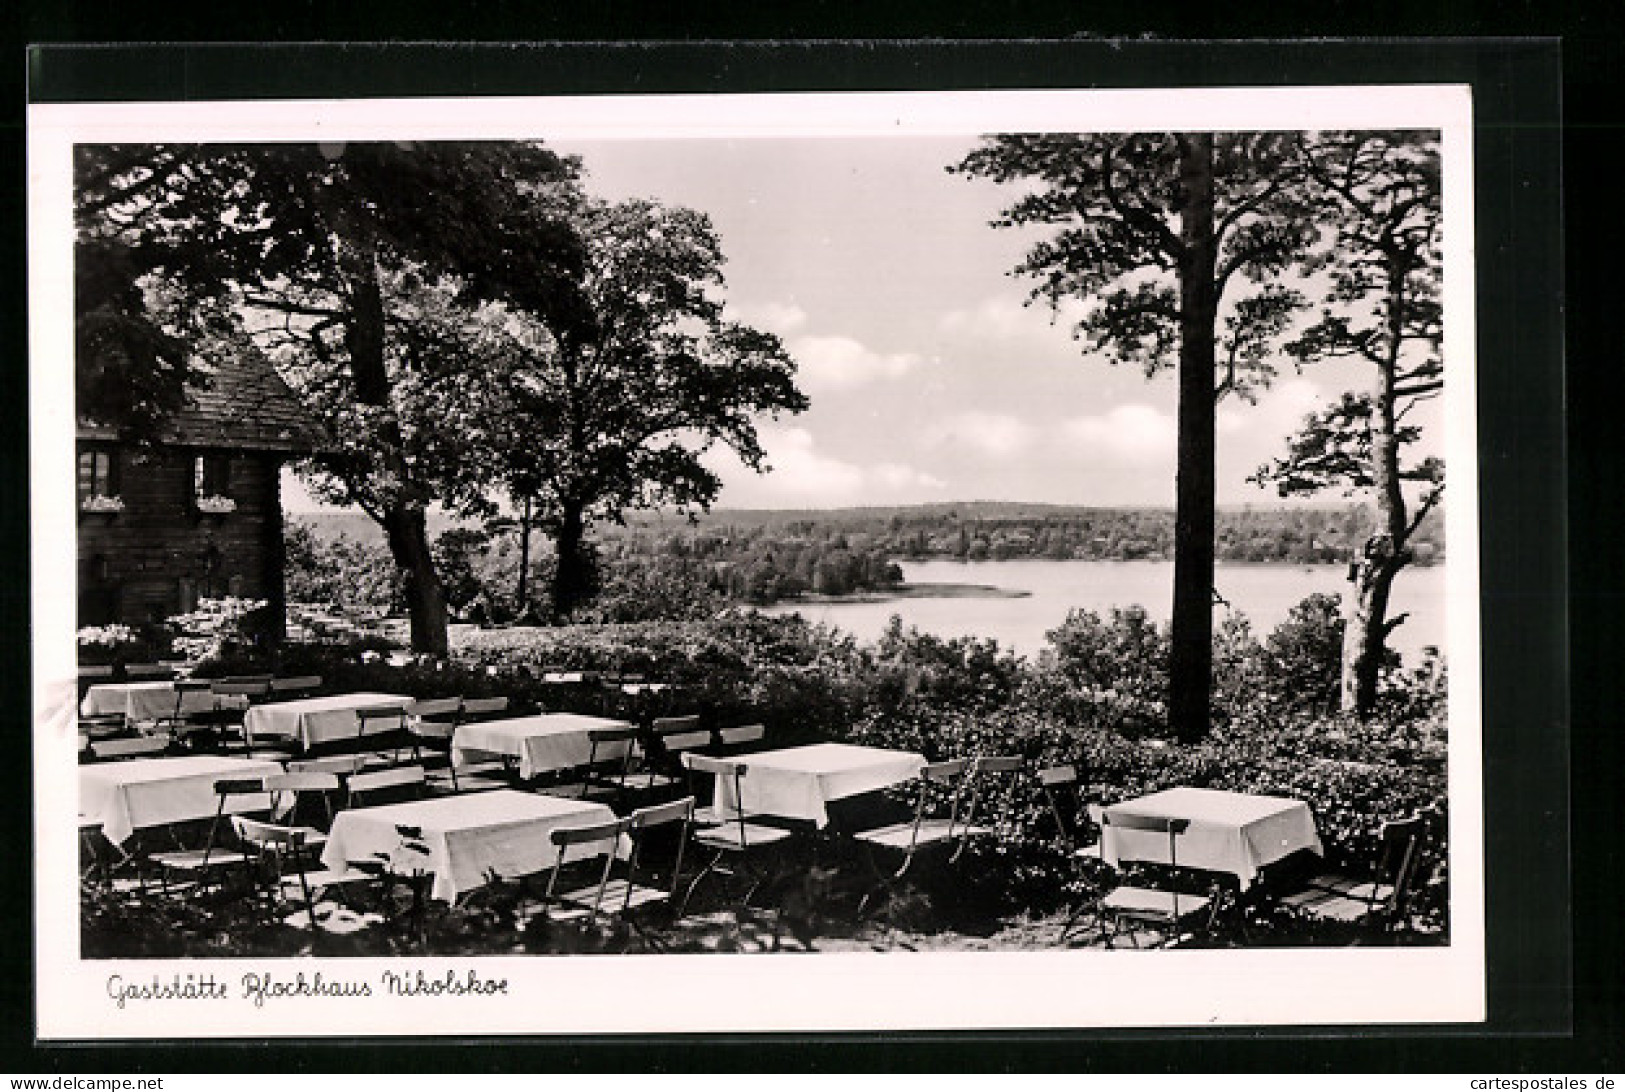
x=102, y=504
x=216, y=506
x=216, y=623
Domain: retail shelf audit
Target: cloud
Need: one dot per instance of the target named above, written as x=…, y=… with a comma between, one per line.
x=803, y=475
x=998, y=435
x=1280, y=410
x=1131, y=435
x=1008, y=321
x=843, y=362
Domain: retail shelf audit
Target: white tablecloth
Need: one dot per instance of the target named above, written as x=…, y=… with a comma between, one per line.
x=469, y=836
x=138, y=793
x=317, y=720
x=142, y=700
x=550, y=741
x=797, y=783
x=1229, y=832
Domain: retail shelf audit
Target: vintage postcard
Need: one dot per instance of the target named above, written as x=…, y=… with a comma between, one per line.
x=808, y=562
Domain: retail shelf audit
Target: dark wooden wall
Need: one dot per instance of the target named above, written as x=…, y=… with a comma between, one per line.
x=159, y=555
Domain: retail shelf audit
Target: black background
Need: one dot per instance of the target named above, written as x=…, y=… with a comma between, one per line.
x=1545, y=113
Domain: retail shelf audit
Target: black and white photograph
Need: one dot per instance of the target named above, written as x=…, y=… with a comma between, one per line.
x=796, y=562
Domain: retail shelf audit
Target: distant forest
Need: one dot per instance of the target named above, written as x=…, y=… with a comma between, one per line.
x=765, y=556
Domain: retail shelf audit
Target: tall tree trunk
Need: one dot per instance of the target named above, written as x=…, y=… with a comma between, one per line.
x=521, y=595
x=1190, y=669
x=573, y=575
x=1387, y=551
x=405, y=526
x=404, y=523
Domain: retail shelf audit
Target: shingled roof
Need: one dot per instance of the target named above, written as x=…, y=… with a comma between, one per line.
x=245, y=406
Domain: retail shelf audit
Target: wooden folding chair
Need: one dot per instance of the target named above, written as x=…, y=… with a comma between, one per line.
x=224, y=723
x=601, y=840
x=1375, y=899
x=661, y=769
x=430, y=725
x=199, y=865
x=289, y=792
x=734, y=838
x=646, y=824
x=1165, y=909
x=978, y=778
x=906, y=841
x=599, y=778
x=278, y=845
x=380, y=726
x=176, y=722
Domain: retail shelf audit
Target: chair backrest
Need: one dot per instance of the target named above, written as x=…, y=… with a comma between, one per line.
x=149, y=672
x=89, y=673
x=295, y=684
x=659, y=814
x=264, y=836
x=239, y=786
x=680, y=742
x=248, y=686
x=193, y=686
x=675, y=726
x=137, y=747
x=395, y=777
x=340, y=765
x=1060, y=783
x=101, y=725
x=1402, y=842
x=1172, y=826
x=605, y=833
x=302, y=781
x=742, y=733
x=434, y=709
x=997, y=764
x=474, y=708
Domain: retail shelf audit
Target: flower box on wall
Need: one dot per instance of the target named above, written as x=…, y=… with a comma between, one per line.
x=101, y=507
x=214, y=506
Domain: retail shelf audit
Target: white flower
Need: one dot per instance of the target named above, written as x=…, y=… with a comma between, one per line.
x=216, y=506
x=102, y=503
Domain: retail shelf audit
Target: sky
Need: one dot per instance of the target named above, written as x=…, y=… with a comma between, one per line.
x=929, y=379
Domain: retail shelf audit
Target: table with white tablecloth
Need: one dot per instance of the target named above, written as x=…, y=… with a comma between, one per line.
x=319, y=720
x=140, y=793
x=1233, y=832
x=470, y=836
x=143, y=701
x=798, y=782
x=541, y=743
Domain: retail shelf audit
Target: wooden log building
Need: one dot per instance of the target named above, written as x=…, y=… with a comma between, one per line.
x=200, y=513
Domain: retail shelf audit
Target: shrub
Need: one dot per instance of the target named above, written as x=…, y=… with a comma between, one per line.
x=1305, y=656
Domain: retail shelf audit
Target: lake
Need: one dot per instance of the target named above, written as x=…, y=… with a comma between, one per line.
x=1265, y=593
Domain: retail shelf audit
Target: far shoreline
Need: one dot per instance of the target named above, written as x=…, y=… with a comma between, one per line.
x=924, y=590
